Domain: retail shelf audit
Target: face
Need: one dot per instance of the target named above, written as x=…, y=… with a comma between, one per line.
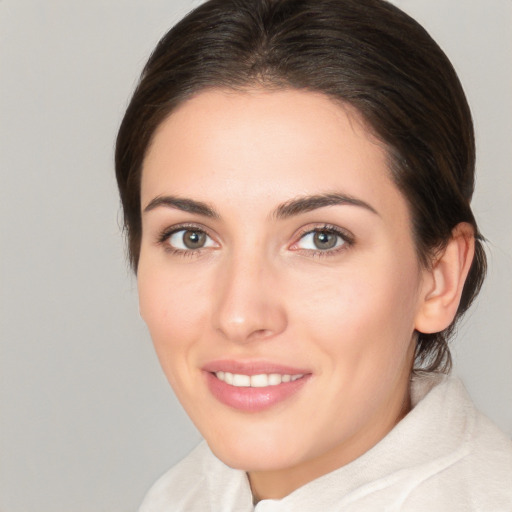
x=278, y=277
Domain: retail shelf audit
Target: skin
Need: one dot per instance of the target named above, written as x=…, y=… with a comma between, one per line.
x=260, y=290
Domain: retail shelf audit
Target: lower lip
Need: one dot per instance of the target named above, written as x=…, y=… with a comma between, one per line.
x=253, y=399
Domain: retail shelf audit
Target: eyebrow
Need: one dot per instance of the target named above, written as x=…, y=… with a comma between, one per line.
x=186, y=205
x=283, y=211
x=310, y=203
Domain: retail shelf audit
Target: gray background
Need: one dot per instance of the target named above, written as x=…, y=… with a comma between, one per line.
x=87, y=419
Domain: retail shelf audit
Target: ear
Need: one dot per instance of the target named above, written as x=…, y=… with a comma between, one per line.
x=443, y=283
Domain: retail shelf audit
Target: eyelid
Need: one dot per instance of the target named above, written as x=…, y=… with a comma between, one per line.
x=164, y=235
x=347, y=237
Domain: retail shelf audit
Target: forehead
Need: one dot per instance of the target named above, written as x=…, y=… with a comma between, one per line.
x=266, y=147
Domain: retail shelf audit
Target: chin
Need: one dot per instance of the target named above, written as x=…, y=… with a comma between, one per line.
x=250, y=453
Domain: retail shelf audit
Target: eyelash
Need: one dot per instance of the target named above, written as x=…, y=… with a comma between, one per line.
x=346, y=237
x=163, y=239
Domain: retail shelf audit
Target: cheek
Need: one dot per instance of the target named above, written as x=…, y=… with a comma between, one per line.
x=369, y=309
x=172, y=308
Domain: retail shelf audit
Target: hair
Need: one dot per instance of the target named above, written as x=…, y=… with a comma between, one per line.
x=364, y=53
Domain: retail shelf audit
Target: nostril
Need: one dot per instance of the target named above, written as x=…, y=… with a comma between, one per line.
x=261, y=333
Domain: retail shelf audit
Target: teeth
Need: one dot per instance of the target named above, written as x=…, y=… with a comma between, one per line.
x=255, y=381
x=259, y=381
x=274, y=379
x=241, y=381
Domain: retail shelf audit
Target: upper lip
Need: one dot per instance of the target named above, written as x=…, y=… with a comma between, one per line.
x=252, y=367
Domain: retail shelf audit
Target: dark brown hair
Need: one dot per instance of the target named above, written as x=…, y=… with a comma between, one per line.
x=365, y=53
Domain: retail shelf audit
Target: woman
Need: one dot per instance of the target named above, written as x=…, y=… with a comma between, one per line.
x=296, y=178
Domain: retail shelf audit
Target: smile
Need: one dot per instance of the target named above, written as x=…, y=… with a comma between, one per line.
x=253, y=387
x=261, y=380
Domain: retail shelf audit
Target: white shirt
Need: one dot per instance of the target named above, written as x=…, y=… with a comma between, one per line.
x=443, y=456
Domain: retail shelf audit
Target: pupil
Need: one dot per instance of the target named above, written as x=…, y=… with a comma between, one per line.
x=194, y=239
x=324, y=240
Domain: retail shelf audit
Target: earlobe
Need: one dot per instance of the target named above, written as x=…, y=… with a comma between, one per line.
x=446, y=278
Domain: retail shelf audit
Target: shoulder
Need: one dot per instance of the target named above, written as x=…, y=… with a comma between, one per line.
x=198, y=483
x=176, y=485
x=475, y=471
x=480, y=480
x=488, y=466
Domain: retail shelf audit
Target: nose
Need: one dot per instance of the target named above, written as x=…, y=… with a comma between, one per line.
x=247, y=303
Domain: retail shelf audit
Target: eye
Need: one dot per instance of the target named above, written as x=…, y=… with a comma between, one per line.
x=322, y=239
x=189, y=240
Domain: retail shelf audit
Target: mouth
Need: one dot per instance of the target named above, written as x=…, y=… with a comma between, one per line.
x=253, y=387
